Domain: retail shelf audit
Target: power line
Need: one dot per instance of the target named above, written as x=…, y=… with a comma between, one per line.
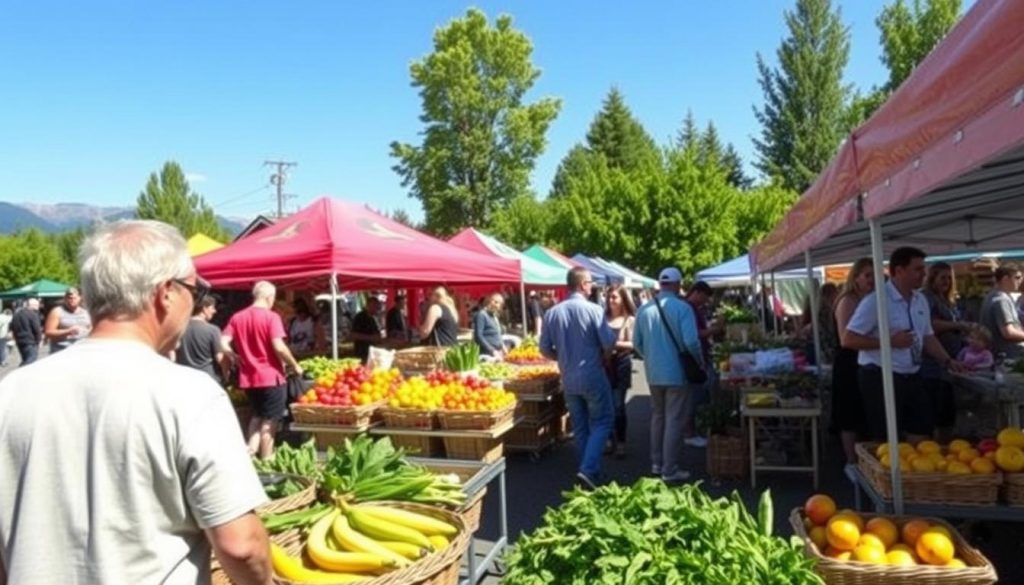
x=236, y=198
x=278, y=180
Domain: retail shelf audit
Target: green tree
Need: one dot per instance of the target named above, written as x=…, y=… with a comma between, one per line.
x=169, y=198
x=576, y=162
x=68, y=242
x=480, y=140
x=909, y=33
x=710, y=151
x=523, y=223
x=737, y=177
x=805, y=100
x=402, y=216
x=758, y=211
x=30, y=255
x=620, y=137
x=689, y=134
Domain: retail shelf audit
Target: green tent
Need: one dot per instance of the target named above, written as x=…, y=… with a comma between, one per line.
x=42, y=288
x=535, y=272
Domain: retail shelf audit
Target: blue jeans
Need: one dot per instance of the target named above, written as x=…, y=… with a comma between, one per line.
x=29, y=353
x=3, y=351
x=592, y=416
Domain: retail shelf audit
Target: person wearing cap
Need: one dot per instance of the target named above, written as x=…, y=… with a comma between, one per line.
x=576, y=334
x=671, y=394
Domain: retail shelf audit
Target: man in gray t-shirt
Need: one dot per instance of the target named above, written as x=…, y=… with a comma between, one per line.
x=999, y=313
x=200, y=346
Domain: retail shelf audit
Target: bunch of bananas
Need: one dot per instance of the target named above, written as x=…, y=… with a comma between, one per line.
x=350, y=543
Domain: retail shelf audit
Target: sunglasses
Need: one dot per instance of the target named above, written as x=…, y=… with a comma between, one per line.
x=199, y=290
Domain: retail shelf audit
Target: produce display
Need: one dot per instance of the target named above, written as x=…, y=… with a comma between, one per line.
x=846, y=536
x=960, y=457
x=352, y=385
x=348, y=543
x=497, y=371
x=1009, y=450
x=301, y=461
x=537, y=372
x=463, y=357
x=734, y=314
x=650, y=533
x=449, y=391
x=527, y=352
x=316, y=367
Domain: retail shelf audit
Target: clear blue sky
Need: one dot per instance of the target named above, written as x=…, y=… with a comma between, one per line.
x=96, y=95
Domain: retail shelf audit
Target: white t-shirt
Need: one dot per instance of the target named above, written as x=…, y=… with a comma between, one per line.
x=914, y=316
x=113, y=460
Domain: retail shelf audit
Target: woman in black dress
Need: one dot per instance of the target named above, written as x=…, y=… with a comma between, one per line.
x=847, y=410
x=440, y=325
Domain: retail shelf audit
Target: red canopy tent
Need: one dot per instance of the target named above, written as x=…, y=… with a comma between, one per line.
x=363, y=249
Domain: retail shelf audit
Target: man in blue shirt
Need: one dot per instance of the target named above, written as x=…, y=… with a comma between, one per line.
x=575, y=333
x=670, y=391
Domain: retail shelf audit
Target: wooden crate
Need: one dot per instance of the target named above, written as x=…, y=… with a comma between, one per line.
x=320, y=414
x=419, y=445
x=402, y=418
x=728, y=456
x=475, y=421
x=933, y=488
x=532, y=435
x=474, y=448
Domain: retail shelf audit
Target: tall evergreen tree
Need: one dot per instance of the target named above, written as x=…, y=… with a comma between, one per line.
x=481, y=138
x=620, y=137
x=711, y=151
x=737, y=177
x=805, y=100
x=169, y=198
x=688, y=134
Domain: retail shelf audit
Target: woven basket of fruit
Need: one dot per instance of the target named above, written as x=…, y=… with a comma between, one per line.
x=387, y=543
x=479, y=420
x=321, y=414
x=957, y=474
x=420, y=359
x=1013, y=489
x=408, y=418
x=886, y=549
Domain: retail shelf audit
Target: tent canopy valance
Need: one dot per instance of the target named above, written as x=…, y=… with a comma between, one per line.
x=602, y=274
x=737, y=273
x=42, y=288
x=362, y=248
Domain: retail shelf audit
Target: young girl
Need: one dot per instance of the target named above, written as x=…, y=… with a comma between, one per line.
x=976, y=355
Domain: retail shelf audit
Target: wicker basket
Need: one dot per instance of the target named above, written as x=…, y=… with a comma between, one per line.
x=404, y=418
x=319, y=414
x=472, y=510
x=419, y=445
x=293, y=502
x=537, y=410
x=941, y=488
x=476, y=449
x=532, y=435
x=728, y=456
x=1013, y=489
x=979, y=570
x=420, y=359
x=440, y=568
x=484, y=420
x=535, y=386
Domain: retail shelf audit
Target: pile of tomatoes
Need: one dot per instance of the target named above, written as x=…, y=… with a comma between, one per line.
x=352, y=386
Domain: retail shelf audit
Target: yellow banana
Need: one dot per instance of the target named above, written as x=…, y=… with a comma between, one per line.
x=331, y=560
x=418, y=522
x=440, y=542
x=291, y=568
x=409, y=551
x=381, y=529
x=353, y=541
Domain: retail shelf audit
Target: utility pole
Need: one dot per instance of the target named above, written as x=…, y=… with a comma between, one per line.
x=278, y=179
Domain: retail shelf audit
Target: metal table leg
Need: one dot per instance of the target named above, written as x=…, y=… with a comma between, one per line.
x=753, y=453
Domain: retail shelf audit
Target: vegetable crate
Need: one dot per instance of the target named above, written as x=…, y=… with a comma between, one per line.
x=419, y=445
x=401, y=418
x=728, y=456
x=319, y=414
x=1013, y=489
x=474, y=448
x=535, y=409
x=459, y=420
x=979, y=570
x=534, y=386
x=532, y=436
x=937, y=488
x=418, y=360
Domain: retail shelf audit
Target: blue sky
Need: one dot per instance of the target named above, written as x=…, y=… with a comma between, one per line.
x=96, y=95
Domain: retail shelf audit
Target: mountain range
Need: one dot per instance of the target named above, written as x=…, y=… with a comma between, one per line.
x=58, y=217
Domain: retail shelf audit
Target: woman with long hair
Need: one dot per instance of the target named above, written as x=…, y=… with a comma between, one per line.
x=620, y=314
x=440, y=325
x=940, y=290
x=847, y=408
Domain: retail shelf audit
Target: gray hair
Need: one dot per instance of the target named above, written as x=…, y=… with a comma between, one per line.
x=123, y=262
x=263, y=290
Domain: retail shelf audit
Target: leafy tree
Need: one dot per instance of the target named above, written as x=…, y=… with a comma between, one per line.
x=620, y=137
x=68, y=242
x=689, y=134
x=30, y=255
x=169, y=198
x=576, y=162
x=710, y=151
x=909, y=33
x=805, y=100
x=480, y=139
x=402, y=216
x=523, y=223
x=758, y=211
x=737, y=177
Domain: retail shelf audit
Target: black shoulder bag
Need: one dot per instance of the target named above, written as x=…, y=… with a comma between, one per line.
x=692, y=369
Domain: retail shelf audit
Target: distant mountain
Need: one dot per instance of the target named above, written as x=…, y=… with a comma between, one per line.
x=57, y=217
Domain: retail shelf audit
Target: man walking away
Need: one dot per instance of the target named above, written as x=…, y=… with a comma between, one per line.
x=131, y=467
x=999, y=313
x=200, y=346
x=27, y=328
x=576, y=334
x=671, y=393
x=257, y=336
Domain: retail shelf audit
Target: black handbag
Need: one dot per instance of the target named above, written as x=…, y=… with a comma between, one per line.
x=694, y=372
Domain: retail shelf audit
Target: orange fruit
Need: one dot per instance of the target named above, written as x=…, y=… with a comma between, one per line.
x=869, y=554
x=969, y=454
x=819, y=508
x=842, y=532
x=923, y=465
x=983, y=466
x=900, y=558
x=958, y=468
x=957, y=445
x=927, y=447
x=882, y=449
x=956, y=563
x=1010, y=459
x=884, y=529
x=942, y=529
x=906, y=450
x=853, y=516
x=941, y=465
x=818, y=537
x=868, y=539
x=935, y=548
x=839, y=555
x=910, y=551
x=912, y=530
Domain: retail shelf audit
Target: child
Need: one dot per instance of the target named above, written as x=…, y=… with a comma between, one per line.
x=976, y=355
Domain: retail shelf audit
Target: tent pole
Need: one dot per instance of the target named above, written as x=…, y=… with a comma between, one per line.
x=812, y=293
x=771, y=301
x=334, y=315
x=885, y=345
x=522, y=307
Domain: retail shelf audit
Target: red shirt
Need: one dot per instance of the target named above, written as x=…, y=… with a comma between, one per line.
x=253, y=331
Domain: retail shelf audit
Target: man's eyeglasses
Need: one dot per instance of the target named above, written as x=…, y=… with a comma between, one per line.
x=199, y=290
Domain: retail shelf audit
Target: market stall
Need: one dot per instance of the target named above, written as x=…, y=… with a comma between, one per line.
x=43, y=289
x=940, y=166
x=549, y=256
x=603, y=276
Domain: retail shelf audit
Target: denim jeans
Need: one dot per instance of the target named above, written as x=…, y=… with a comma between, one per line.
x=29, y=353
x=3, y=350
x=592, y=416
